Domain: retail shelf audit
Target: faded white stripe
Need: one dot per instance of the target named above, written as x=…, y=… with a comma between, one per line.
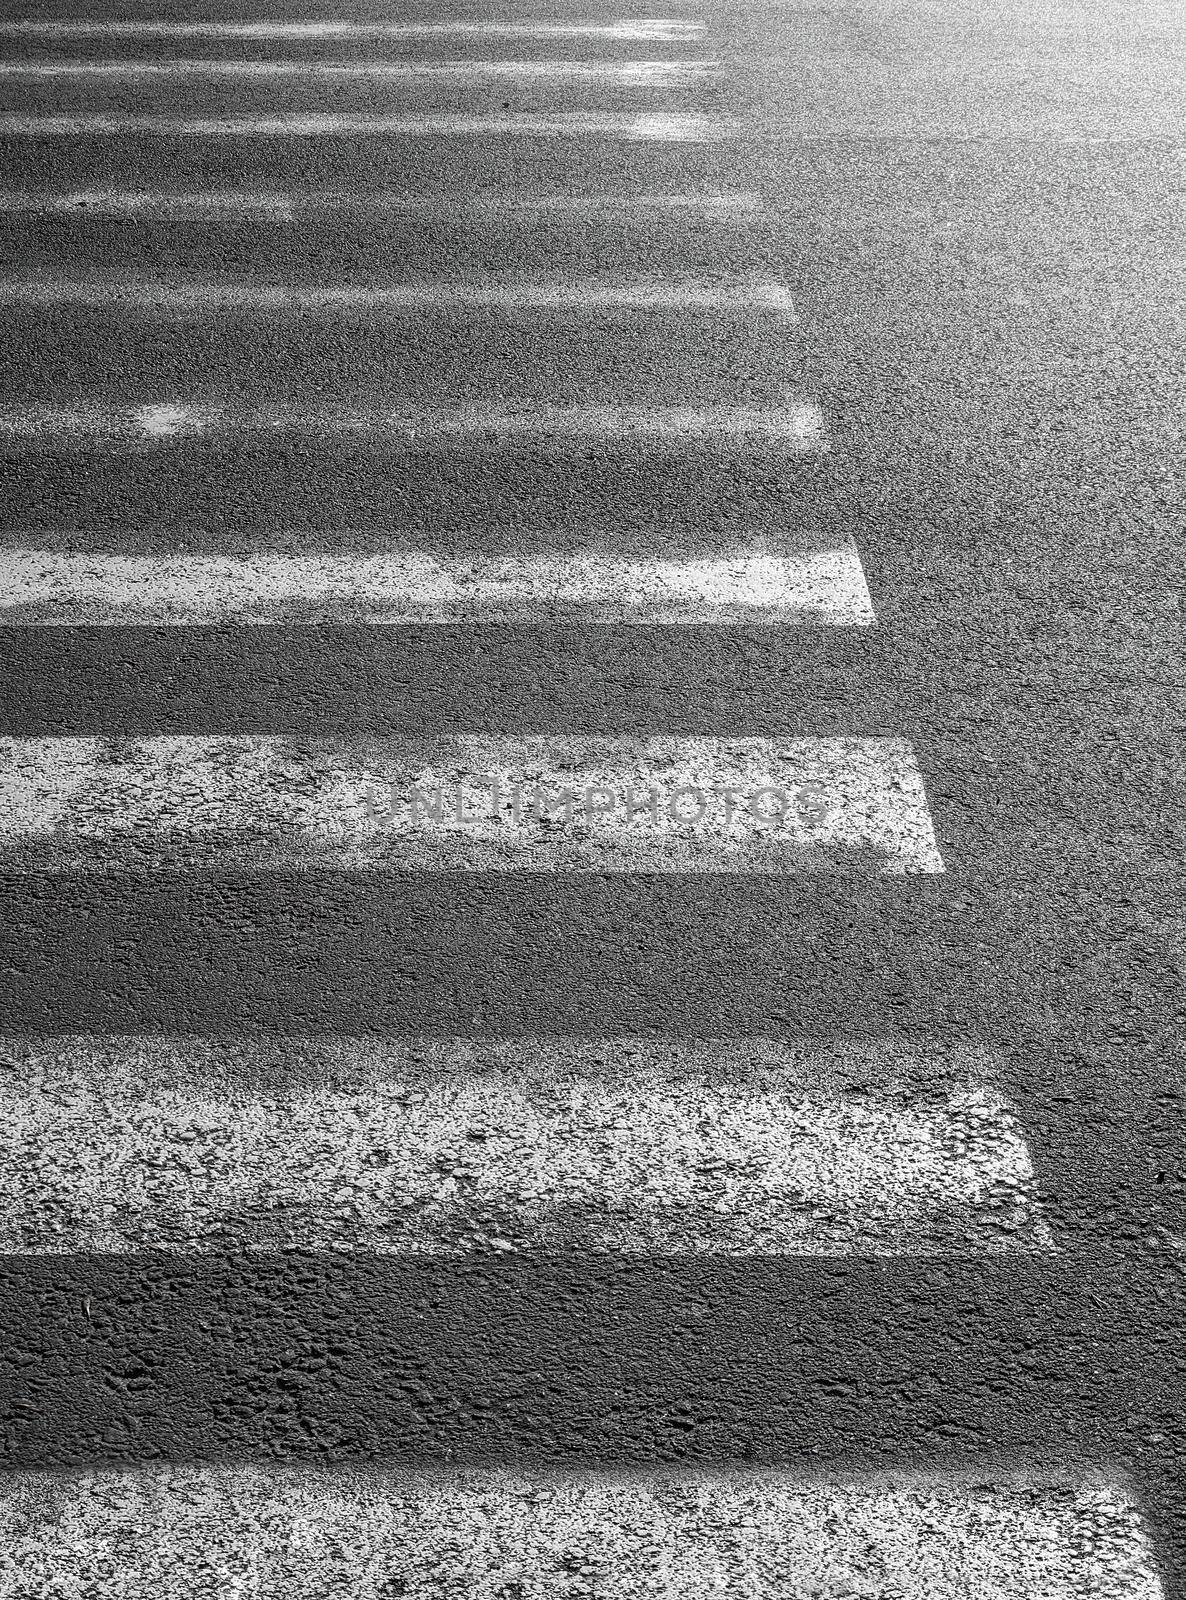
x=656, y=126
x=431, y=1147
x=576, y=294
x=285, y=206
x=646, y=74
x=49, y=587
x=795, y=425
x=739, y=203
x=657, y=29
x=232, y=205
x=291, y=1533
x=466, y=803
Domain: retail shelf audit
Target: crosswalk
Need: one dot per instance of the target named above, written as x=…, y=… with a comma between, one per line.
x=229, y=376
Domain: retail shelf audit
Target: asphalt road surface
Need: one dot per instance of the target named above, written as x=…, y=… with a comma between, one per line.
x=591, y=800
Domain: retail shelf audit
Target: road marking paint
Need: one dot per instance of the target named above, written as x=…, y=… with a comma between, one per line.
x=207, y=1531
x=235, y=205
x=164, y=421
x=228, y=205
x=654, y=74
x=467, y=803
x=719, y=205
x=653, y=29
x=68, y=588
x=557, y=294
x=660, y=127
x=443, y=1147
x=796, y=425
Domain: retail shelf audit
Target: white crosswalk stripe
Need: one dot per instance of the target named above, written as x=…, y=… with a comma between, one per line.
x=64, y=589
x=466, y=803
x=239, y=205
x=284, y=1533
x=630, y=29
x=429, y=1147
x=655, y=74
x=656, y=126
x=796, y=426
x=435, y=294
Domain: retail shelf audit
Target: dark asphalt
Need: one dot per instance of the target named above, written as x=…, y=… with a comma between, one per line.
x=979, y=213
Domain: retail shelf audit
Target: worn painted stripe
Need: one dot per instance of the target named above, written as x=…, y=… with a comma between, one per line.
x=645, y=74
x=661, y=127
x=235, y=205
x=431, y=1147
x=654, y=29
x=219, y=205
x=206, y=1532
x=796, y=425
x=735, y=204
x=466, y=803
x=549, y=294
x=52, y=587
